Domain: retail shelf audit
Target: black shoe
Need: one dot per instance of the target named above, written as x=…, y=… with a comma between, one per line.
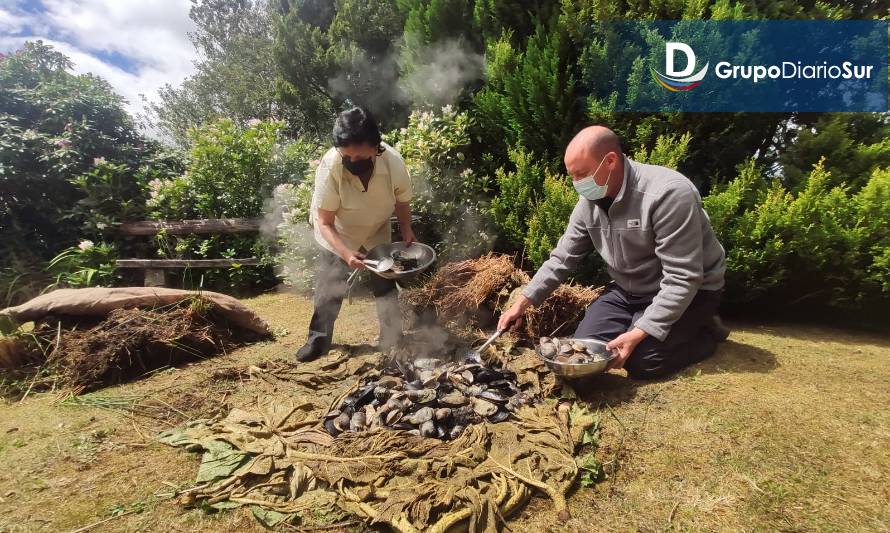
x=309, y=352
x=718, y=329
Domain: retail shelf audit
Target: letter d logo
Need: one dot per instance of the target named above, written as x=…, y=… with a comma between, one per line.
x=679, y=80
x=670, y=61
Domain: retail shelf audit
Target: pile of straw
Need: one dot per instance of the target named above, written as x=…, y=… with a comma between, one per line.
x=474, y=292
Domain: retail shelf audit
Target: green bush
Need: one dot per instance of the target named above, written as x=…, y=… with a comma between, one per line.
x=113, y=193
x=549, y=218
x=231, y=173
x=817, y=248
x=512, y=208
x=54, y=126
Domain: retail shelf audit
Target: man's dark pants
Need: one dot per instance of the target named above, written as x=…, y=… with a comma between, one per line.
x=690, y=340
x=330, y=289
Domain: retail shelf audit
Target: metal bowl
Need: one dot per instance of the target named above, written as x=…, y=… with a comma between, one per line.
x=425, y=256
x=582, y=370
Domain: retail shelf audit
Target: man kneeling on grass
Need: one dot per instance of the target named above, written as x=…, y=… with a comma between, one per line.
x=648, y=225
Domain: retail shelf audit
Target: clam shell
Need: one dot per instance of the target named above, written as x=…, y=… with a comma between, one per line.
x=565, y=348
x=422, y=395
x=493, y=396
x=389, y=382
x=548, y=351
x=578, y=347
x=455, y=398
x=442, y=413
x=499, y=416
x=332, y=429
x=392, y=417
x=391, y=405
x=358, y=421
x=342, y=421
x=486, y=375
x=428, y=429
x=381, y=393
x=577, y=359
x=423, y=415
x=544, y=340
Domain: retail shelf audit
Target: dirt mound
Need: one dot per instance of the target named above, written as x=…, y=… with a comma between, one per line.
x=86, y=353
x=474, y=292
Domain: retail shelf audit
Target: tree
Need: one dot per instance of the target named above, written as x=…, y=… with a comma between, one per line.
x=529, y=99
x=853, y=145
x=331, y=55
x=54, y=126
x=235, y=76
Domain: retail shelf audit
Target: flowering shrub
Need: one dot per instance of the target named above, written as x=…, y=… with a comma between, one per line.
x=231, y=172
x=450, y=198
x=85, y=265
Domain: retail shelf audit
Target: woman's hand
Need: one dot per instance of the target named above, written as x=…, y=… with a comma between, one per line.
x=354, y=259
x=408, y=236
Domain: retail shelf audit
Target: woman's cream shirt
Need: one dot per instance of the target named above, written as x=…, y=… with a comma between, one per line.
x=362, y=217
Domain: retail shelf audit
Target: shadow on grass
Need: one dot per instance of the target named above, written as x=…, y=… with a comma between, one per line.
x=812, y=333
x=731, y=357
x=737, y=357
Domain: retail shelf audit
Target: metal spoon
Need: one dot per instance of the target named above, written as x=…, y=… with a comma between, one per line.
x=476, y=355
x=379, y=265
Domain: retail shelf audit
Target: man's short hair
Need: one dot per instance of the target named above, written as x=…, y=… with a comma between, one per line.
x=356, y=126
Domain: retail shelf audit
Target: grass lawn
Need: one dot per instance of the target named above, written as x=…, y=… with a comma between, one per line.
x=787, y=428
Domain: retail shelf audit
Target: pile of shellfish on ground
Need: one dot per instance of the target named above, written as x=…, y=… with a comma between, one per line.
x=429, y=398
x=568, y=351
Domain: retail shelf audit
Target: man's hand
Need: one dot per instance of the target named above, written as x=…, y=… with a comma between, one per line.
x=624, y=345
x=408, y=236
x=354, y=259
x=513, y=316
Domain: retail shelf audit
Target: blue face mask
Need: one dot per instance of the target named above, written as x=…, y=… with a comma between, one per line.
x=589, y=188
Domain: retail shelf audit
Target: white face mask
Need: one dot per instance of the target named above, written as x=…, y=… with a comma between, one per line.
x=589, y=188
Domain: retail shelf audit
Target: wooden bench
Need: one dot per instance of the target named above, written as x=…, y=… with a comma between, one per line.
x=155, y=268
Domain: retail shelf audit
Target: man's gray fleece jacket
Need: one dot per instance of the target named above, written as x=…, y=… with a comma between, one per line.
x=655, y=239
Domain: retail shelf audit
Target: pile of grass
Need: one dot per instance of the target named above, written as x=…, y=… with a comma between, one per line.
x=87, y=353
x=474, y=292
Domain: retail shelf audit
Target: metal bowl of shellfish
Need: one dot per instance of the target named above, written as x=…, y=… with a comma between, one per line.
x=408, y=260
x=574, y=358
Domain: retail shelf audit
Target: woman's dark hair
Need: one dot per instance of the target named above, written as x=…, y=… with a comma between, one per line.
x=356, y=126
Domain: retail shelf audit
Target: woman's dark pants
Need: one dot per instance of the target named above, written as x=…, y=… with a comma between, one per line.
x=330, y=289
x=690, y=340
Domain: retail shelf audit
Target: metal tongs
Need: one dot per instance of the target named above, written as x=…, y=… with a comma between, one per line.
x=374, y=265
x=476, y=355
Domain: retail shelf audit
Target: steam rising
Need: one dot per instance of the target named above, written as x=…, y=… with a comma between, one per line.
x=437, y=76
x=444, y=69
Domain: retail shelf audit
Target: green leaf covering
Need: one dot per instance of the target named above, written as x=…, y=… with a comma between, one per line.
x=220, y=460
